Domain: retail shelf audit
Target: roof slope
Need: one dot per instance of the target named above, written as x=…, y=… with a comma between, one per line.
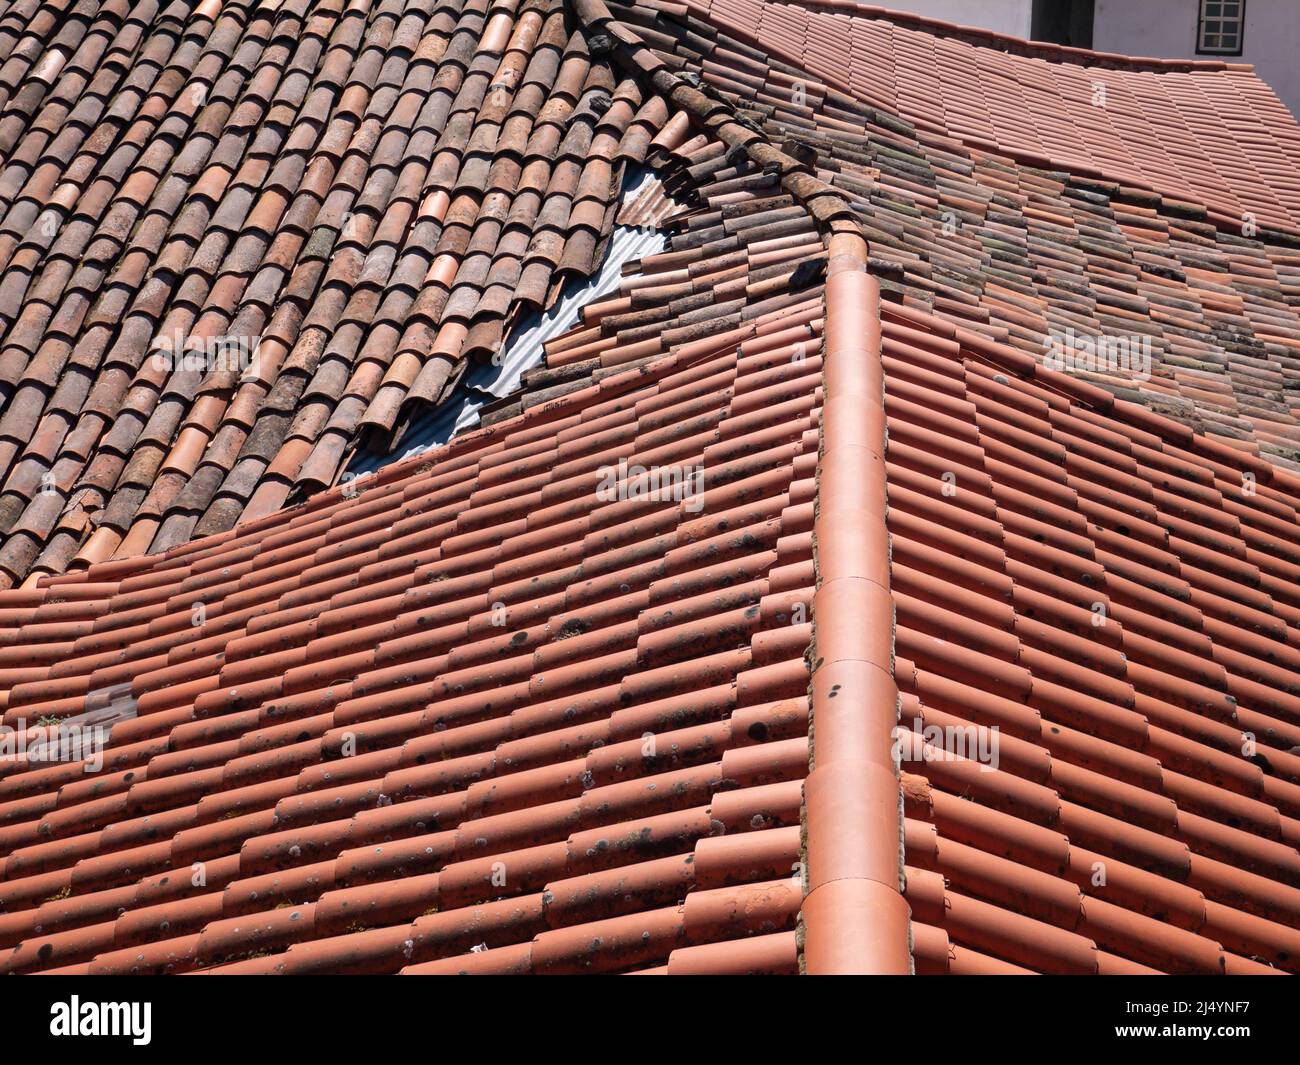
x=472, y=714
x=331, y=208
x=1152, y=123
x=1120, y=603
x=326, y=207
x=1024, y=254
x=473, y=704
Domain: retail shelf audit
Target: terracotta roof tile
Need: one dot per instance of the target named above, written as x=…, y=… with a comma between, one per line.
x=309, y=137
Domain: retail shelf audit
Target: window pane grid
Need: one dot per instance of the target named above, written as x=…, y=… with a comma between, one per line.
x=1220, y=26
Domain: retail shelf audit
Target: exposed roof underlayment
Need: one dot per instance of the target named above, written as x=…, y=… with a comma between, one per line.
x=524, y=347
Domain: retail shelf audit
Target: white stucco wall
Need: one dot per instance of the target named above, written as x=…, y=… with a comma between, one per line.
x=1162, y=28
x=1001, y=16
x=1167, y=29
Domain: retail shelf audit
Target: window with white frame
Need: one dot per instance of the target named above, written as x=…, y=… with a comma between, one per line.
x=1220, y=27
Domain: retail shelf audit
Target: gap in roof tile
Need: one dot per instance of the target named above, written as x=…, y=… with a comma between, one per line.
x=485, y=383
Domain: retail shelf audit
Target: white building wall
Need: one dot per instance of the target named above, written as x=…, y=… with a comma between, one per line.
x=1167, y=29
x=1012, y=17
